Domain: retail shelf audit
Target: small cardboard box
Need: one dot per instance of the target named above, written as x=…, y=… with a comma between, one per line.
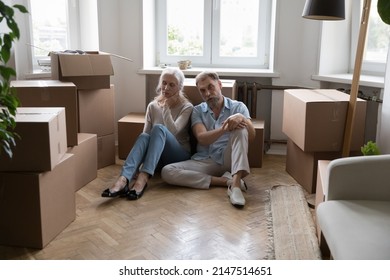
x=51, y=93
x=42, y=142
x=303, y=166
x=36, y=207
x=315, y=119
x=229, y=89
x=106, y=150
x=256, y=147
x=91, y=70
x=85, y=154
x=97, y=111
x=129, y=127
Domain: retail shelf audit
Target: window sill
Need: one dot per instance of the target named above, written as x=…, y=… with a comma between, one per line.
x=236, y=72
x=365, y=80
x=38, y=75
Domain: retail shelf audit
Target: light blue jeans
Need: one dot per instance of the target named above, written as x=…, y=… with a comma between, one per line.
x=153, y=151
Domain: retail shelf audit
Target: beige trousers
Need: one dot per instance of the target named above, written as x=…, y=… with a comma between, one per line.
x=197, y=173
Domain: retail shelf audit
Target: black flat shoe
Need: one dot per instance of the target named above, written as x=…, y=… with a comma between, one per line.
x=133, y=195
x=122, y=193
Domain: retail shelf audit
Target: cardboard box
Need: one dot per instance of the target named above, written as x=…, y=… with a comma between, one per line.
x=51, y=93
x=131, y=125
x=229, y=89
x=106, y=150
x=42, y=142
x=85, y=154
x=303, y=166
x=256, y=147
x=96, y=111
x=36, y=207
x=91, y=70
x=315, y=119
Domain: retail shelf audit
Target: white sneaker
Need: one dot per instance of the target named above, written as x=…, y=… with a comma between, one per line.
x=229, y=176
x=236, y=197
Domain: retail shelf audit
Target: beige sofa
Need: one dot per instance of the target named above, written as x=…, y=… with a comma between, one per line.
x=355, y=216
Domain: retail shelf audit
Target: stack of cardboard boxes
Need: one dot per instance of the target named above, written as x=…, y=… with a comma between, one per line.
x=91, y=72
x=314, y=122
x=37, y=195
x=66, y=128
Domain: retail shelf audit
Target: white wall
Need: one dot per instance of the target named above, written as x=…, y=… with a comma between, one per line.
x=88, y=29
x=120, y=33
x=384, y=131
x=296, y=56
x=297, y=45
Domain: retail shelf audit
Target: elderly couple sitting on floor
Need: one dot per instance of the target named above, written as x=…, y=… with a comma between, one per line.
x=221, y=126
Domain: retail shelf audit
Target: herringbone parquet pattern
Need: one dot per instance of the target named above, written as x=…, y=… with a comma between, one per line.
x=171, y=223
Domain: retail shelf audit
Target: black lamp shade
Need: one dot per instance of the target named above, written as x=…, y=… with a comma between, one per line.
x=324, y=9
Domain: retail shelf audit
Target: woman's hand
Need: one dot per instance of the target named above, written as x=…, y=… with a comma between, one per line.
x=169, y=102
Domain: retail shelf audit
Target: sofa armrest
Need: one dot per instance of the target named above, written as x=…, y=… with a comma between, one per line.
x=362, y=177
x=356, y=229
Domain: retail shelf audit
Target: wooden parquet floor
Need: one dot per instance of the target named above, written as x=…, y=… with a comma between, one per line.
x=167, y=223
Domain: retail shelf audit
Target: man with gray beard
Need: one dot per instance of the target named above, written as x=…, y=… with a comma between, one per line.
x=222, y=128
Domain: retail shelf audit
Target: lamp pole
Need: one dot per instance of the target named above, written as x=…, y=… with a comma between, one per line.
x=350, y=122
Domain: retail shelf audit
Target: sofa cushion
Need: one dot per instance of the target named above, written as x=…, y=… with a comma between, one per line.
x=356, y=229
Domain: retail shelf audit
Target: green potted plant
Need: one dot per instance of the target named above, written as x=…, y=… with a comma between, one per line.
x=370, y=148
x=8, y=100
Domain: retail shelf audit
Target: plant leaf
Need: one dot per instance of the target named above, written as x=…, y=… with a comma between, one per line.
x=384, y=10
x=8, y=98
x=21, y=8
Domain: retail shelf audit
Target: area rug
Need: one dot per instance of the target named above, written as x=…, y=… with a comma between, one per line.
x=292, y=232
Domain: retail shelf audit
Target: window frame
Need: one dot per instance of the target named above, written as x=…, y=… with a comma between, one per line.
x=80, y=36
x=211, y=57
x=368, y=67
x=72, y=31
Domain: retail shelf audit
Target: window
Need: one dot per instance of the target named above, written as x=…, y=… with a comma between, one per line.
x=55, y=25
x=377, y=41
x=49, y=22
x=219, y=33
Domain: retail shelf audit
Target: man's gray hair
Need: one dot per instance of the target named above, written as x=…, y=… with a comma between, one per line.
x=206, y=74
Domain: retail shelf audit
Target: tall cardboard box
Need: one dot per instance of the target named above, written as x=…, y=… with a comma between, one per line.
x=51, y=93
x=96, y=110
x=42, y=142
x=315, y=119
x=36, y=207
x=85, y=154
x=91, y=70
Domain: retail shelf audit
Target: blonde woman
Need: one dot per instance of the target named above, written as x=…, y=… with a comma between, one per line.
x=164, y=140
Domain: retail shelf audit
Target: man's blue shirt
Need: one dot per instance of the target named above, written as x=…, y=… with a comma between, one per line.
x=203, y=114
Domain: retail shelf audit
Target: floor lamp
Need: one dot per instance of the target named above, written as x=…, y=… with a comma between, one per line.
x=335, y=10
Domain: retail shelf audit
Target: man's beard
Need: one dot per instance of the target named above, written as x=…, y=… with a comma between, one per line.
x=213, y=102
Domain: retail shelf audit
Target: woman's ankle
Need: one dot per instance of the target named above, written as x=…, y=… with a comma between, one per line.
x=120, y=183
x=141, y=181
